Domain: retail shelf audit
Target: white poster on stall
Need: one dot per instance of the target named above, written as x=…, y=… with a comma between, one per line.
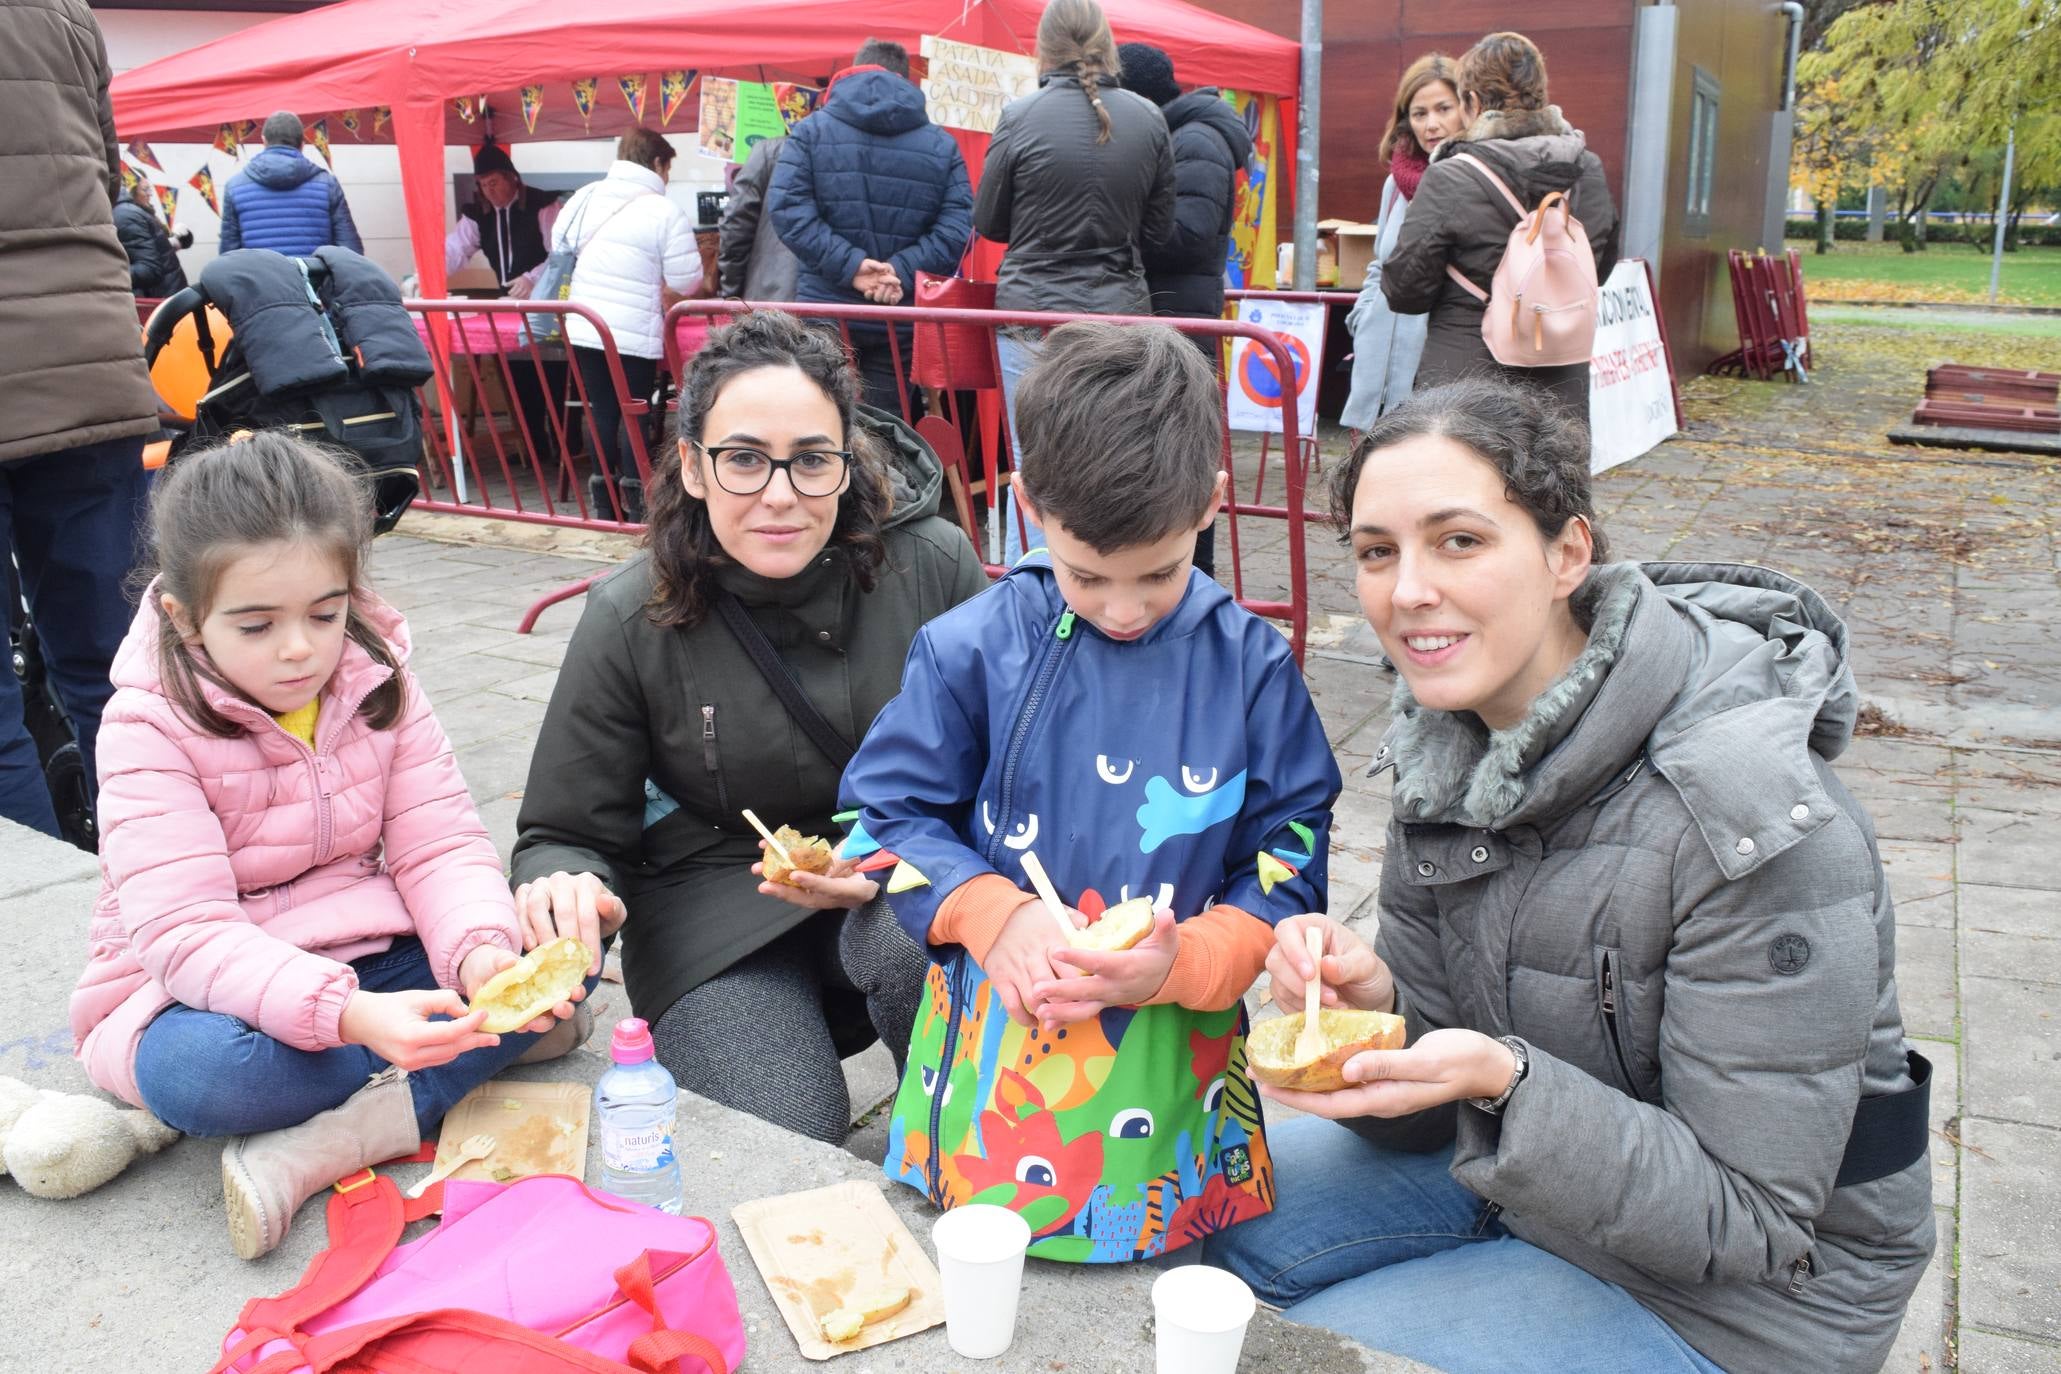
x=967, y=86
x=1257, y=391
x=1631, y=391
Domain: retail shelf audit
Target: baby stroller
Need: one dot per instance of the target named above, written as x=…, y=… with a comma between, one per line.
x=319, y=345
x=57, y=745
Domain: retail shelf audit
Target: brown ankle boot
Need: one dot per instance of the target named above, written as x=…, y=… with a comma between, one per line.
x=266, y=1177
x=563, y=1038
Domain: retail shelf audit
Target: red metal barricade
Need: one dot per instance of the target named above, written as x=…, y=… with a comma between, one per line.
x=510, y=434
x=1774, y=326
x=500, y=436
x=981, y=431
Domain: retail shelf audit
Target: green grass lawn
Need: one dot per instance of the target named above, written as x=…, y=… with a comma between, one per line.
x=1944, y=323
x=1944, y=272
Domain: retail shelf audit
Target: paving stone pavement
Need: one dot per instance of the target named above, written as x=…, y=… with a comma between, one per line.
x=1946, y=570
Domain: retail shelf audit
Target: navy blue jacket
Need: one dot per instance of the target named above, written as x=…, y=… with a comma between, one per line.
x=284, y=202
x=869, y=176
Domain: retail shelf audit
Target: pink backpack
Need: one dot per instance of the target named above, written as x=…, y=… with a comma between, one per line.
x=1540, y=310
x=539, y=1276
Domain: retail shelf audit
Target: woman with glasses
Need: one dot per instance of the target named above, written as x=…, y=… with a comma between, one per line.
x=791, y=534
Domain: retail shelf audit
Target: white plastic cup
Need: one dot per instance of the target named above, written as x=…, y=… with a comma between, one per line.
x=980, y=1257
x=1199, y=1316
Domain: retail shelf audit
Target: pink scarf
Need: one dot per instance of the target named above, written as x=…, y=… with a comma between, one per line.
x=1406, y=164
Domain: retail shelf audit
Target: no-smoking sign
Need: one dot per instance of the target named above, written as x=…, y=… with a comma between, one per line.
x=1259, y=373
x=1259, y=391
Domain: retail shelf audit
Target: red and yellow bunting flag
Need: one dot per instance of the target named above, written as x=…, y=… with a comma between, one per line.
x=140, y=151
x=226, y=140
x=583, y=96
x=246, y=132
x=318, y=134
x=203, y=181
x=353, y=124
x=796, y=101
x=632, y=88
x=672, y=93
x=382, y=116
x=532, y=105
x=168, y=196
x=467, y=108
x=130, y=181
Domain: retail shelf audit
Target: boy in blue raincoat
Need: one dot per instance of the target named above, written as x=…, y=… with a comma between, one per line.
x=1112, y=711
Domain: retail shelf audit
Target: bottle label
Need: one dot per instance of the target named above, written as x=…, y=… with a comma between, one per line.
x=637, y=1150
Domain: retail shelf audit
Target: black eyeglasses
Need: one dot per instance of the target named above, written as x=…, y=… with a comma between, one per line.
x=743, y=471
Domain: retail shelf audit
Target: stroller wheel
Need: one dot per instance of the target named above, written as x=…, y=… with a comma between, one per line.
x=65, y=775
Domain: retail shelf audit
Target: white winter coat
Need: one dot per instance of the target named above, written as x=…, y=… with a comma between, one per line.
x=632, y=240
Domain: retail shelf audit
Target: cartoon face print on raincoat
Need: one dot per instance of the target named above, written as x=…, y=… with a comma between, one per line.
x=1188, y=766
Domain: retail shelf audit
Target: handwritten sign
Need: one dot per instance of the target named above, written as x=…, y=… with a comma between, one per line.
x=968, y=86
x=758, y=119
x=1631, y=390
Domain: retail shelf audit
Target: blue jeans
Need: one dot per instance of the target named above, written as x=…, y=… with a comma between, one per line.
x=1386, y=1248
x=70, y=519
x=1015, y=356
x=207, y=1074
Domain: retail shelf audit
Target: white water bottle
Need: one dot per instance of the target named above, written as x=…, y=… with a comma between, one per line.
x=634, y=1103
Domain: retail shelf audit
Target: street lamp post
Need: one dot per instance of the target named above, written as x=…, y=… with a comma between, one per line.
x=1308, y=119
x=1996, y=254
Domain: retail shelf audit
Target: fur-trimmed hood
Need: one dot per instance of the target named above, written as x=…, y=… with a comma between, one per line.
x=1726, y=678
x=1548, y=122
x=1516, y=140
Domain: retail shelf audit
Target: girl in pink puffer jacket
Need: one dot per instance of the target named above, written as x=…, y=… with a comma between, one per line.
x=295, y=884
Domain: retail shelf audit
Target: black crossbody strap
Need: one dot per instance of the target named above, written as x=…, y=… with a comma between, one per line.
x=780, y=677
x=1890, y=1132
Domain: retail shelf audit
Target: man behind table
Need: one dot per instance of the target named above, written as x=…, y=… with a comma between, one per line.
x=509, y=224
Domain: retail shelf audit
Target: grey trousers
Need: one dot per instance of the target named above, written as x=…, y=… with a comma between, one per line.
x=756, y=1038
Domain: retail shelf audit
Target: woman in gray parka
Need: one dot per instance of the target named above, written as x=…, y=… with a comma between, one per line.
x=1656, y=1111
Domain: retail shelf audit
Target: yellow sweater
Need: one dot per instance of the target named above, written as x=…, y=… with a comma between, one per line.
x=301, y=724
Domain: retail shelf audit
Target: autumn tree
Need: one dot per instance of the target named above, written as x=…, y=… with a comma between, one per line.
x=1908, y=94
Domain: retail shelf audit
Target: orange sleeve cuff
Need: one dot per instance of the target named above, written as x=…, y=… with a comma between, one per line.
x=1222, y=953
x=974, y=912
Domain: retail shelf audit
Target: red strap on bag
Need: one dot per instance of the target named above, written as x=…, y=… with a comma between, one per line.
x=448, y=1340
x=366, y=1215
x=955, y=357
x=660, y=1350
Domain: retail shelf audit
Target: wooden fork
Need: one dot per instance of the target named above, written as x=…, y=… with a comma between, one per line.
x=469, y=1149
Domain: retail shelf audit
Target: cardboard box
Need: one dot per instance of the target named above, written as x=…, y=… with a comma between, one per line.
x=1355, y=254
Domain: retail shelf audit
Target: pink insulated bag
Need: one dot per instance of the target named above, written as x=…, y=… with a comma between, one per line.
x=540, y=1276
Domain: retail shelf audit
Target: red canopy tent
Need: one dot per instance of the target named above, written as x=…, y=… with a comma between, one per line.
x=417, y=57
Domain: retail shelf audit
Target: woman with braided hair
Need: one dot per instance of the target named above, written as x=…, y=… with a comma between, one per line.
x=1079, y=179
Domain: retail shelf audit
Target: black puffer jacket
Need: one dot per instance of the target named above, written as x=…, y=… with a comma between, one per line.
x=1211, y=144
x=686, y=709
x=1075, y=212
x=154, y=269
x=1457, y=217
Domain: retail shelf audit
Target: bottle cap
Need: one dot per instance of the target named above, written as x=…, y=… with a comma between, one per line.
x=631, y=1043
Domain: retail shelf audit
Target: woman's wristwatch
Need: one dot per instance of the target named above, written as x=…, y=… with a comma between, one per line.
x=1494, y=1105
